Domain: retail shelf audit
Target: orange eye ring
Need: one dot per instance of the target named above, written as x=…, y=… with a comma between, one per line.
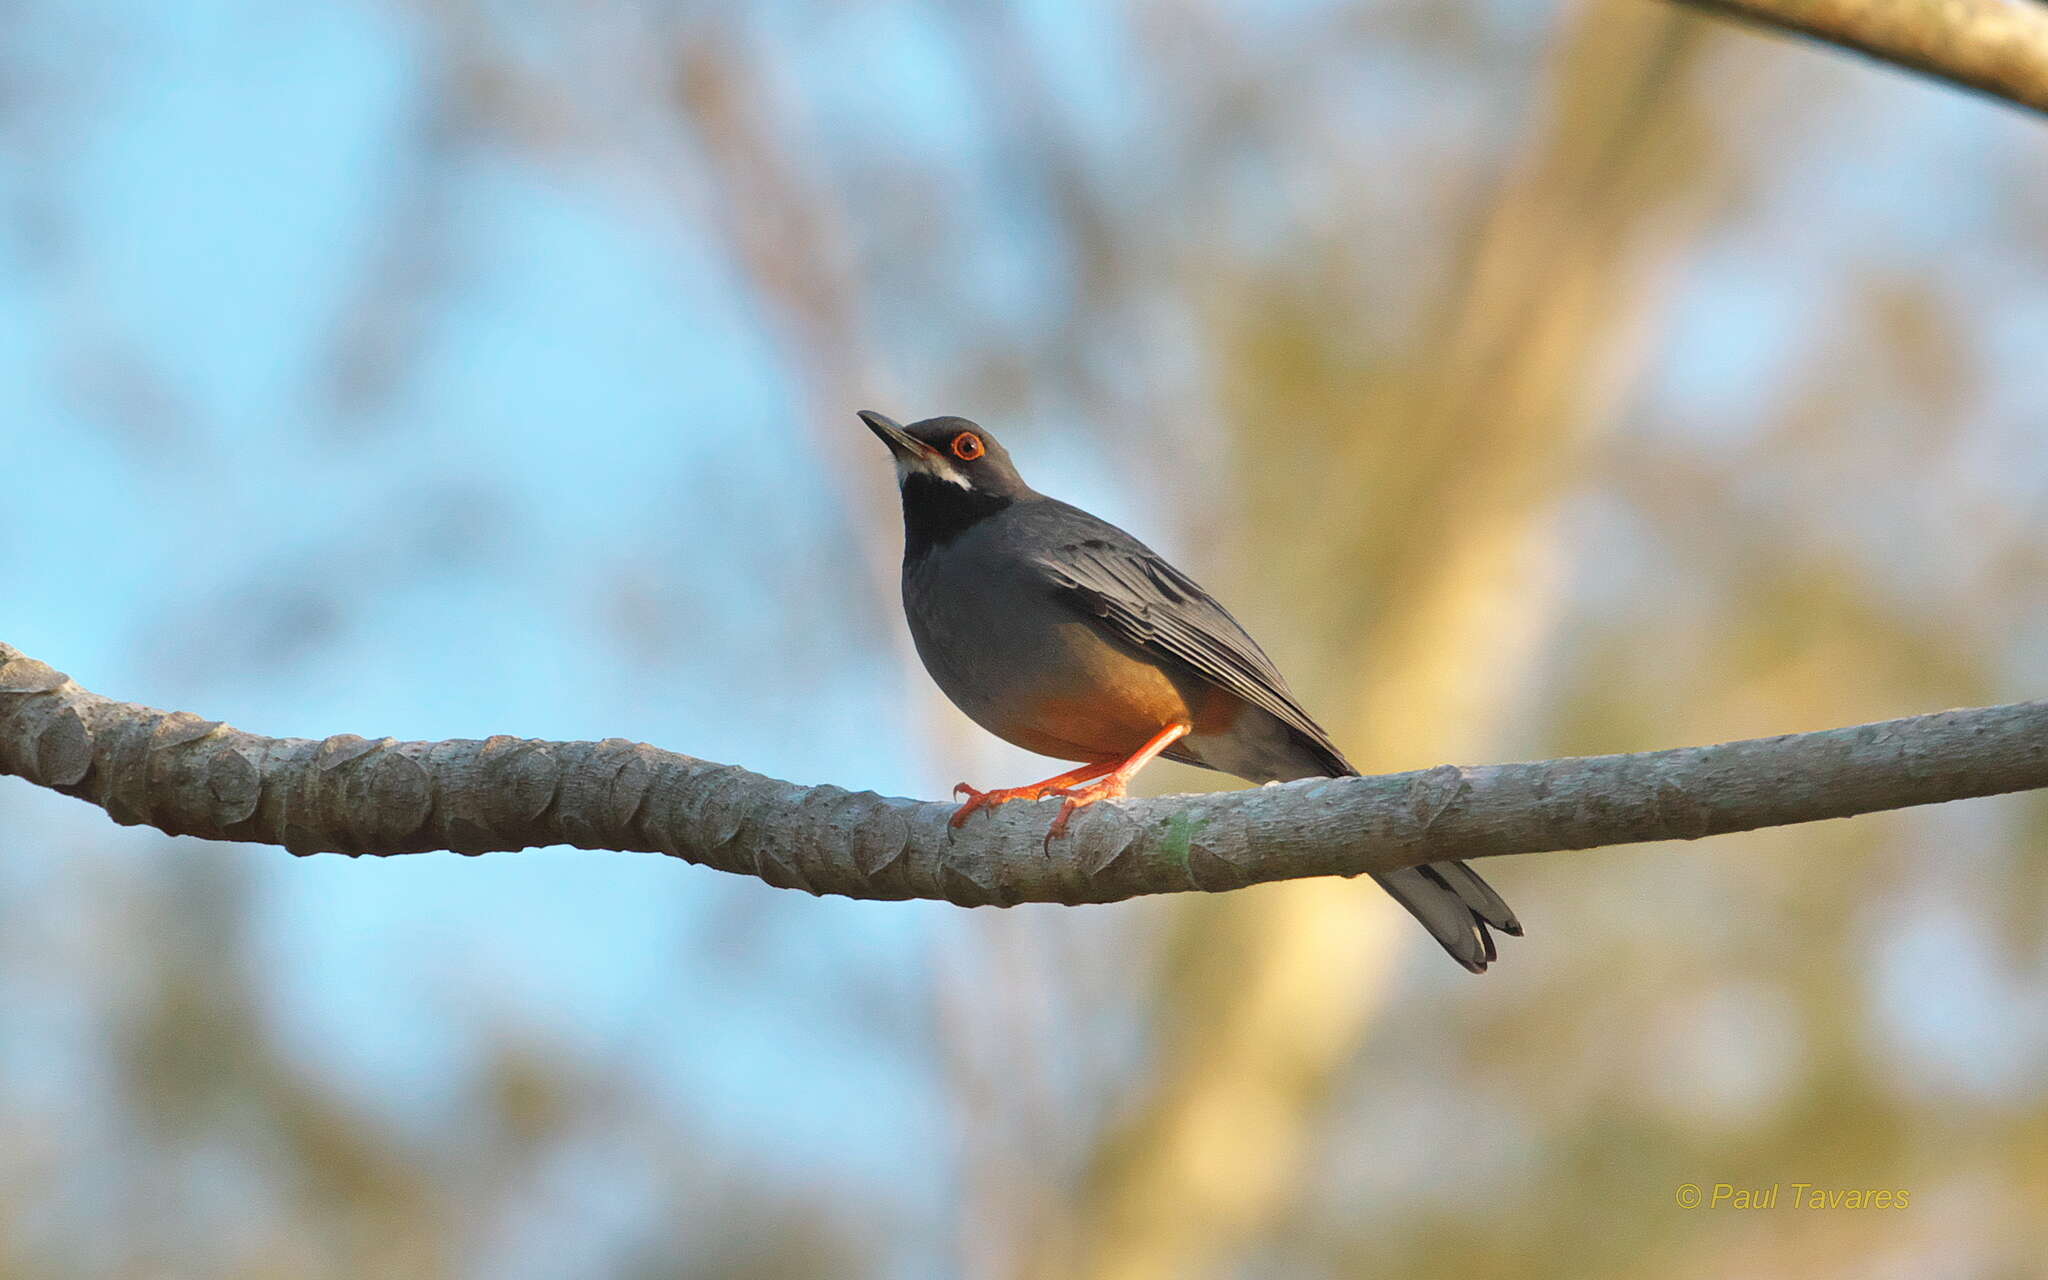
x=967, y=446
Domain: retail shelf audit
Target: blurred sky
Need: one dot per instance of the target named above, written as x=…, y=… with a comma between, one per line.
x=184, y=511
x=590, y=496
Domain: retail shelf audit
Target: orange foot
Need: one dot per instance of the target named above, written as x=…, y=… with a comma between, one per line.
x=1054, y=786
x=1111, y=788
x=1077, y=797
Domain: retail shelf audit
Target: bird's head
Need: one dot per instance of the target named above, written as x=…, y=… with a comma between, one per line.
x=953, y=474
x=948, y=451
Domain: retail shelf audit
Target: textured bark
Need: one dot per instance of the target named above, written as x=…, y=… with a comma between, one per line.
x=188, y=776
x=1997, y=47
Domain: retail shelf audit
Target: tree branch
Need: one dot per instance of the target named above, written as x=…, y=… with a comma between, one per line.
x=1997, y=47
x=186, y=776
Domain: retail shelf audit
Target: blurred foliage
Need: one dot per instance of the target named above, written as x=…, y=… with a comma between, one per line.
x=1427, y=335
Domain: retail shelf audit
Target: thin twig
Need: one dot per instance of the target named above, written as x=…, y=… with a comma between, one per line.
x=1996, y=47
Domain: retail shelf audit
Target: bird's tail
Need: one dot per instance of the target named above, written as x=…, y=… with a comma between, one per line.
x=1456, y=906
x=1453, y=903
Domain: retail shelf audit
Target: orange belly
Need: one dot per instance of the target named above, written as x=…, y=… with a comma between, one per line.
x=1124, y=704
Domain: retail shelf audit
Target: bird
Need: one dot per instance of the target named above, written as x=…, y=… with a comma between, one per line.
x=1062, y=634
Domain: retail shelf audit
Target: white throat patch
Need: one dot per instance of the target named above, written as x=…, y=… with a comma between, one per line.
x=936, y=468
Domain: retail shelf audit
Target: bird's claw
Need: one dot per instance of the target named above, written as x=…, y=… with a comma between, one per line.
x=1075, y=799
x=989, y=799
x=975, y=800
x=1078, y=798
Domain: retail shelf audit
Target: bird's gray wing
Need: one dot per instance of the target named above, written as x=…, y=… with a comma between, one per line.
x=1109, y=575
x=1154, y=606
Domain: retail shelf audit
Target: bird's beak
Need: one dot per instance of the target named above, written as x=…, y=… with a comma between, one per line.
x=900, y=442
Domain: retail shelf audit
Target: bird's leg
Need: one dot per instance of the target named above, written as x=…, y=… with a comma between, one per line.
x=1119, y=778
x=1056, y=785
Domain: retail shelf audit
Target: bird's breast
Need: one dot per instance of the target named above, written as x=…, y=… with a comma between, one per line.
x=1031, y=669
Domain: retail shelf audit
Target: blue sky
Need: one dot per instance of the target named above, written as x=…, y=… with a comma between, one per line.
x=431, y=570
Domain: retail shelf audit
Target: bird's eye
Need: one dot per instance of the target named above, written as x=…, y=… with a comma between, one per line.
x=967, y=446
